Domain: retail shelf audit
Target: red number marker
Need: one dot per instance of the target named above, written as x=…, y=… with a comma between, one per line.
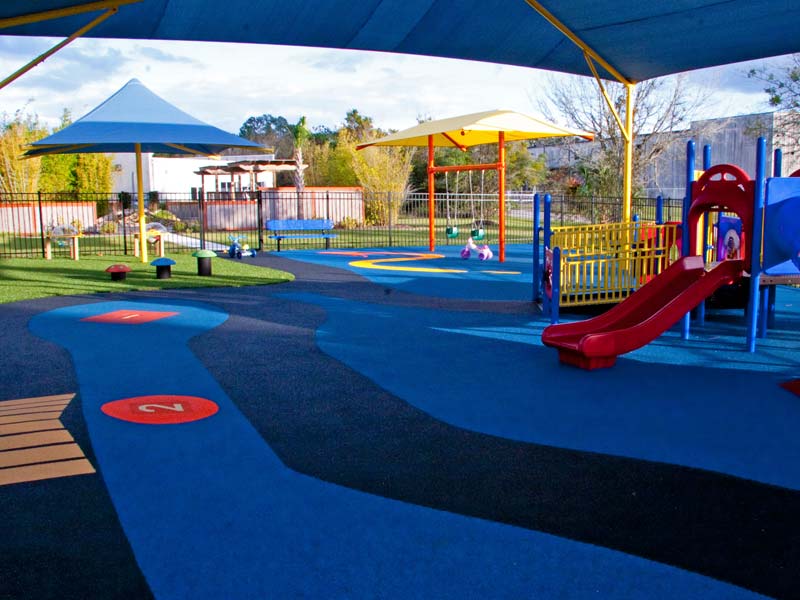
x=160, y=409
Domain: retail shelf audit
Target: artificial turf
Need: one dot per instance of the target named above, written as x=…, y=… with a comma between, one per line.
x=28, y=278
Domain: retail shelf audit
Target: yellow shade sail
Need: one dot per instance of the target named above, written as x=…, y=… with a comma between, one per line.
x=475, y=129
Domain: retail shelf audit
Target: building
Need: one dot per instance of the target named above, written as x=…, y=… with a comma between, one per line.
x=732, y=141
x=187, y=175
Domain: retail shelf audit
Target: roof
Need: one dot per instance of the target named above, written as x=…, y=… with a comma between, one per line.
x=477, y=128
x=134, y=115
x=640, y=40
x=250, y=166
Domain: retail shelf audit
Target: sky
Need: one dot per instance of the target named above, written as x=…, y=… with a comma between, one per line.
x=224, y=84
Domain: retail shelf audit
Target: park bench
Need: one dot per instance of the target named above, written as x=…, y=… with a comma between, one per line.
x=295, y=229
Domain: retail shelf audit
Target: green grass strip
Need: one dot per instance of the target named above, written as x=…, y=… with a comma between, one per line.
x=28, y=278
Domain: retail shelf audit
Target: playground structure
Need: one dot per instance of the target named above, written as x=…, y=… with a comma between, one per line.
x=599, y=263
x=64, y=235
x=763, y=248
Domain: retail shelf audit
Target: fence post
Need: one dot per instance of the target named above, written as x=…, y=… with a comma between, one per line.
x=556, y=299
x=202, y=200
x=389, y=205
x=328, y=204
x=260, y=218
x=41, y=223
x=124, y=229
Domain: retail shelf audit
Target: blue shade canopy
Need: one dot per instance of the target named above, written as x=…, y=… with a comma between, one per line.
x=136, y=115
x=640, y=40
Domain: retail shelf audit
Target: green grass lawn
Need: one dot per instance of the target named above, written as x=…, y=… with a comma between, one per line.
x=27, y=278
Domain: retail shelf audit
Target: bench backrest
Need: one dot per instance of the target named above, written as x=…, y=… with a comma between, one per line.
x=299, y=224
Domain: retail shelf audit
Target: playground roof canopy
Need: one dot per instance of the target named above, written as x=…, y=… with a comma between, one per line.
x=475, y=129
x=135, y=115
x=638, y=40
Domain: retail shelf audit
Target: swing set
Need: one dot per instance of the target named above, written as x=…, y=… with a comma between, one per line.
x=477, y=232
x=488, y=127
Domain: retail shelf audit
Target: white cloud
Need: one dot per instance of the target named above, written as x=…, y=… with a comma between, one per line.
x=224, y=84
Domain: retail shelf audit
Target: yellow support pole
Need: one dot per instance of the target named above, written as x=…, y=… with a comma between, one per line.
x=42, y=57
x=551, y=18
x=57, y=13
x=140, y=199
x=627, y=129
x=627, y=176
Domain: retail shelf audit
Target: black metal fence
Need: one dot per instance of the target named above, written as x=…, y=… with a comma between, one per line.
x=182, y=223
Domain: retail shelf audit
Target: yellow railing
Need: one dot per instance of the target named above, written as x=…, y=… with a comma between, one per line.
x=606, y=263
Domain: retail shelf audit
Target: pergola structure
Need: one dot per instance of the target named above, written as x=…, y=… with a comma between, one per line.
x=251, y=168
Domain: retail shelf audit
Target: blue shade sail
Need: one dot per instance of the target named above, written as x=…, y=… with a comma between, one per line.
x=135, y=115
x=640, y=40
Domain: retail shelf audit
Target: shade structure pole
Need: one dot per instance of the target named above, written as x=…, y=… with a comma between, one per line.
x=140, y=199
x=431, y=175
x=627, y=176
x=501, y=192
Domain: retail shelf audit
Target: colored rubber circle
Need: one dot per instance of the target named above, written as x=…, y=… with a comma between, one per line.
x=160, y=409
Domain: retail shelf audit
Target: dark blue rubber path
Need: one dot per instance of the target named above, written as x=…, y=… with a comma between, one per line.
x=211, y=512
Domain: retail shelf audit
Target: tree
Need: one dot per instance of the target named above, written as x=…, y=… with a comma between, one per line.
x=329, y=164
x=380, y=171
x=57, y=169
x=17, y=175
x=270, y=131
x=358, y=126
x=75, y=173
x=661, y=106
x=523, y=172
x=783, y=90
x=300, y=135
x=91, y=174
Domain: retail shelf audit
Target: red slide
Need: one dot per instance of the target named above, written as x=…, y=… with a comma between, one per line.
x=642, y=317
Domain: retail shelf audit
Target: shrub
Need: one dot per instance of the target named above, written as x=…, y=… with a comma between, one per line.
x=164, y=214
x=347, y=223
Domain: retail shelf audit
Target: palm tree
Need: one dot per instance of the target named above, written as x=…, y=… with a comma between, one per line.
x=300, y=136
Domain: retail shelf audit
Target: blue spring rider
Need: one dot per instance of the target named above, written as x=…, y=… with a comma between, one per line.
x=237, y=249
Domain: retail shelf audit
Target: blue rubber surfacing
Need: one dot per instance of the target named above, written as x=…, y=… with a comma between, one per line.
x=211, y=512
x=510, y=280
x=697, y=403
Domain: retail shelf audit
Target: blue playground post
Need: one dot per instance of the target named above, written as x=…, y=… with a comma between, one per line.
x=659, y=220
x=777, y=171
x=547, y=207
x=706, y=157
x=755, y=246
x=687, y=201
x=701, y=308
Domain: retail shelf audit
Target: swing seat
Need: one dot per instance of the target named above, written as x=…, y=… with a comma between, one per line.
x=452, y=232
x=478, y=234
